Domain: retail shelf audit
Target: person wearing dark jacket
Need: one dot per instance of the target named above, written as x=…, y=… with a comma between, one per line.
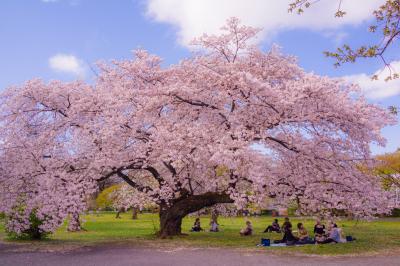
x=197, y=227
x=319, y=231
x=287, y=223
x=288, y=237
x=274, y=227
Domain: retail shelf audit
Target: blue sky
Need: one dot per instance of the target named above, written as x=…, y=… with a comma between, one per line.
x=58, y=39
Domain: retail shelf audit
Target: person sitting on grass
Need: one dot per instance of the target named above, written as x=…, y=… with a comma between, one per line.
x=274, y=227
x=248, y=230
x=334, y=235
x=287, y=223
x=319, y=231
x=303, y=234
x=213, y=225
x=288, y=237
x=196, y=227
x=342, y=236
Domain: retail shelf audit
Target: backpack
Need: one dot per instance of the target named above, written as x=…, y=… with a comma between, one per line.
x=265, y=242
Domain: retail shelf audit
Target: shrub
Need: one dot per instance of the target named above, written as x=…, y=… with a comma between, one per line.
x=395, y=213
x=33, y=232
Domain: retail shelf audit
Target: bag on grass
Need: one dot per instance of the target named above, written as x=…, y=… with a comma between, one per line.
x=349, y=238
x=265, y=242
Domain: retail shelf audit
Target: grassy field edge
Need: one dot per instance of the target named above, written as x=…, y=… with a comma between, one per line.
x=373, y=238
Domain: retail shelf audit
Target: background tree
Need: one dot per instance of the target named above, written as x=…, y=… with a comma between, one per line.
x=105, y=200
x=126, y=197
x=389, y=168
x=167, y=132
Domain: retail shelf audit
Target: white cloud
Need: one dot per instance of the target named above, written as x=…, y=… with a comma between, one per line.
x=378, y=89
x=337, y=37
x=194, y=17
x=68, y=64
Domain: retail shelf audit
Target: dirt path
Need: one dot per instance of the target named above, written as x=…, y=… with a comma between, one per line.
x=118, y=256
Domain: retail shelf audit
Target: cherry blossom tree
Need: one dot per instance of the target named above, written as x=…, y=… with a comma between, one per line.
x=41, y=169
x=276, y=130
x=125, y=197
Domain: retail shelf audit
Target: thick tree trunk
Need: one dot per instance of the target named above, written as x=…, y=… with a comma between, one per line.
x=171, y=216
x=74, y=223
x=135, y=213
x=117, y=216
x=170, y=223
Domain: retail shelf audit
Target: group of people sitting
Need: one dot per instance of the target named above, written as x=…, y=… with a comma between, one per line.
x=214, y=226
x=322, y=235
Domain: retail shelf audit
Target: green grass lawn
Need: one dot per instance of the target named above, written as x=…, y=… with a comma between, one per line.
x=380, y=236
